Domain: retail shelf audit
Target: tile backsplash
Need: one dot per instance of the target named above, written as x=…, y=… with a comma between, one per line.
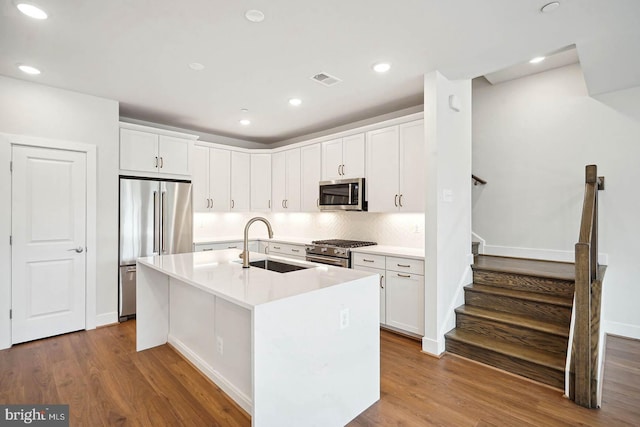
x=395, y=229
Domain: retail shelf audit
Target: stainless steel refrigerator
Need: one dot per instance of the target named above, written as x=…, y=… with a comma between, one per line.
x=155, y=218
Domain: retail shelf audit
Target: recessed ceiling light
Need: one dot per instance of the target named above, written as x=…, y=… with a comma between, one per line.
x=244, y=110
x=29, y=69
x=254, y=15
x=382, y=67
x=32, y=11
x=196, y=66
x=537, y=59
x=295, y=101
x=245, y=122
x=550, y=7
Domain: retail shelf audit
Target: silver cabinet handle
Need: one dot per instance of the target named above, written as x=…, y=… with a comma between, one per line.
x=233, y=203
x=161, y=162
x=276, y=247
x=232, y=247
x=286, y=203
x=404, y=275
x=156, y=162
x=396, y=201
x=339, y=170
x=342, y=170
x=269, y=203
x=403, y=265
x=211, y=203
x=79, y=249
x=367, y=260
x=381, y=279
x=282, y=203
x=207, y=249
x=400, y=200
x=295, y=250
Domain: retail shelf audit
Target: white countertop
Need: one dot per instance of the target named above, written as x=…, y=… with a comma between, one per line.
x=221, y=273
x=415, y=253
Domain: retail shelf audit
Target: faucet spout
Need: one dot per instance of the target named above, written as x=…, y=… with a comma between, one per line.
x=245, y=252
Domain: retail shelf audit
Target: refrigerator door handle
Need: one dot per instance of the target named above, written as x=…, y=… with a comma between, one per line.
x=155, y=225
x=162, y=213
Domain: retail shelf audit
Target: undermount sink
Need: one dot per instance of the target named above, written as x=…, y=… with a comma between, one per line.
x=277, y=266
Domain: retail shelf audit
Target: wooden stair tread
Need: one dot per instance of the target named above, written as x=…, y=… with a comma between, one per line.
x=515, y=293
x=525, y=266
x=533, y=355
x=514, y=319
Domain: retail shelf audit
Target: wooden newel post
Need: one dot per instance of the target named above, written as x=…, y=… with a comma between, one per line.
x=582, y=335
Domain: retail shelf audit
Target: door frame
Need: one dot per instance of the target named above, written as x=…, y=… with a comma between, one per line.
x=6, y=143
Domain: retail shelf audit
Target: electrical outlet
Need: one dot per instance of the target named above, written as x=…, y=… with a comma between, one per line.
x=344, y=318
x=220, y=345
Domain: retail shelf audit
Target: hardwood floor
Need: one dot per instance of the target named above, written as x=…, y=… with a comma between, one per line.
x=107, y=383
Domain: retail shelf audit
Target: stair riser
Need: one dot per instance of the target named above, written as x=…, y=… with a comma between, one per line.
x=515, y=334
x=560, y=315
x=524, y=368
x=524, y=283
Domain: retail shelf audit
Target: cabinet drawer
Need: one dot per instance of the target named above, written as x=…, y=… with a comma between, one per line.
x=367, y=260
x=286, y=249
x=198, y=247
x=405, y=265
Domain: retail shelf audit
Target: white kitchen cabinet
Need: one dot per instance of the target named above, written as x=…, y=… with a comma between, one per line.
x=153, y=154
x=311, y=175
x=344, y=158
x=396, y=168
x=402, y=290
x=211, y=179
x=203, y=247
x=285, y=184
x=261, y=182
x=240, y=181
x=288, y=250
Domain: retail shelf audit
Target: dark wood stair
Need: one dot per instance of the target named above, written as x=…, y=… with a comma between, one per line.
x=516, y=317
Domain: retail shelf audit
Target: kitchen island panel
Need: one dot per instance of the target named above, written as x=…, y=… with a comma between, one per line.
x=152, y=307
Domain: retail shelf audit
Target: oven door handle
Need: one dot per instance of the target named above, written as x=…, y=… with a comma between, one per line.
x=340, y=262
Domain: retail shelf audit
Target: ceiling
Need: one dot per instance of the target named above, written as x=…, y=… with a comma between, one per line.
x=137, y=52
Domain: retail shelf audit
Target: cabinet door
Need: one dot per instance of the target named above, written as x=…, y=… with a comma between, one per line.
x=138, y=151
x=332, y=160
x=292, y=203
x=383, y=299
x=261, y=182
x=405, y=301
x=240, y=181
x=220, y=179
x=383, y=168
x=353, y=156
x=200, y=179
x=173, y=155
x=311, y=174
x=278, y=181
x=412, y=167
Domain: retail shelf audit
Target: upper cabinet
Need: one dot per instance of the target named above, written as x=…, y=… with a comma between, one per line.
x=261, y=182
x=285, y=181
x=146, y=151
x=343, y=158
x=240, y=181
x=211, y=179
x=396, y=168
x=311, y=175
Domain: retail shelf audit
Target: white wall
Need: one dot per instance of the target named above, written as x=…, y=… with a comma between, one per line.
x=42, y=111
x=532, y=138
x=385, y=229
x=447, y=221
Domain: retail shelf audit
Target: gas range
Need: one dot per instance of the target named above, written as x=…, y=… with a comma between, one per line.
x=334, y=251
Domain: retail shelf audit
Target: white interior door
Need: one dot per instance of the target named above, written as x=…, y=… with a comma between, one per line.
x=48, y=262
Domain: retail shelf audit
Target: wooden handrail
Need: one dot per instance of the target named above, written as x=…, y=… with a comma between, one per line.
x=584, y=348
x=477, y=180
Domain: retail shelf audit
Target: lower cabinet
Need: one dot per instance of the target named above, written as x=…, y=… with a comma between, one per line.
x=287, y=250
x=201, y=247
x=401, y=290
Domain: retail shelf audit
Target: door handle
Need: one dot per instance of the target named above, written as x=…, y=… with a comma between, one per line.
x=79, y=249
x=162, y=212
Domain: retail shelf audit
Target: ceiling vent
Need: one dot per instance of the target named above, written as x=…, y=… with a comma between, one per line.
x=326, y=79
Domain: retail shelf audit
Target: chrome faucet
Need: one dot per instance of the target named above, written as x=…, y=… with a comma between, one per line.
x=245, y=252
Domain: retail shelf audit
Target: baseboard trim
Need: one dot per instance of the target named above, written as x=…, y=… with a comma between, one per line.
x=433, y=347
x=621, y=329
x=105, y=319
x=542, y=254
x=236, y=395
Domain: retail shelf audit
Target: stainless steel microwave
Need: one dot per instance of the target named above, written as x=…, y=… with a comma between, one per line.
x=342, y=195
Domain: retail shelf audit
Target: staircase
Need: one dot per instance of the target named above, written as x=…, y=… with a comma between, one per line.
x=516, y=317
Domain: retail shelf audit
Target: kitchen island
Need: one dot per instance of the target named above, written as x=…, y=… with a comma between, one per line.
x=297, y=348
